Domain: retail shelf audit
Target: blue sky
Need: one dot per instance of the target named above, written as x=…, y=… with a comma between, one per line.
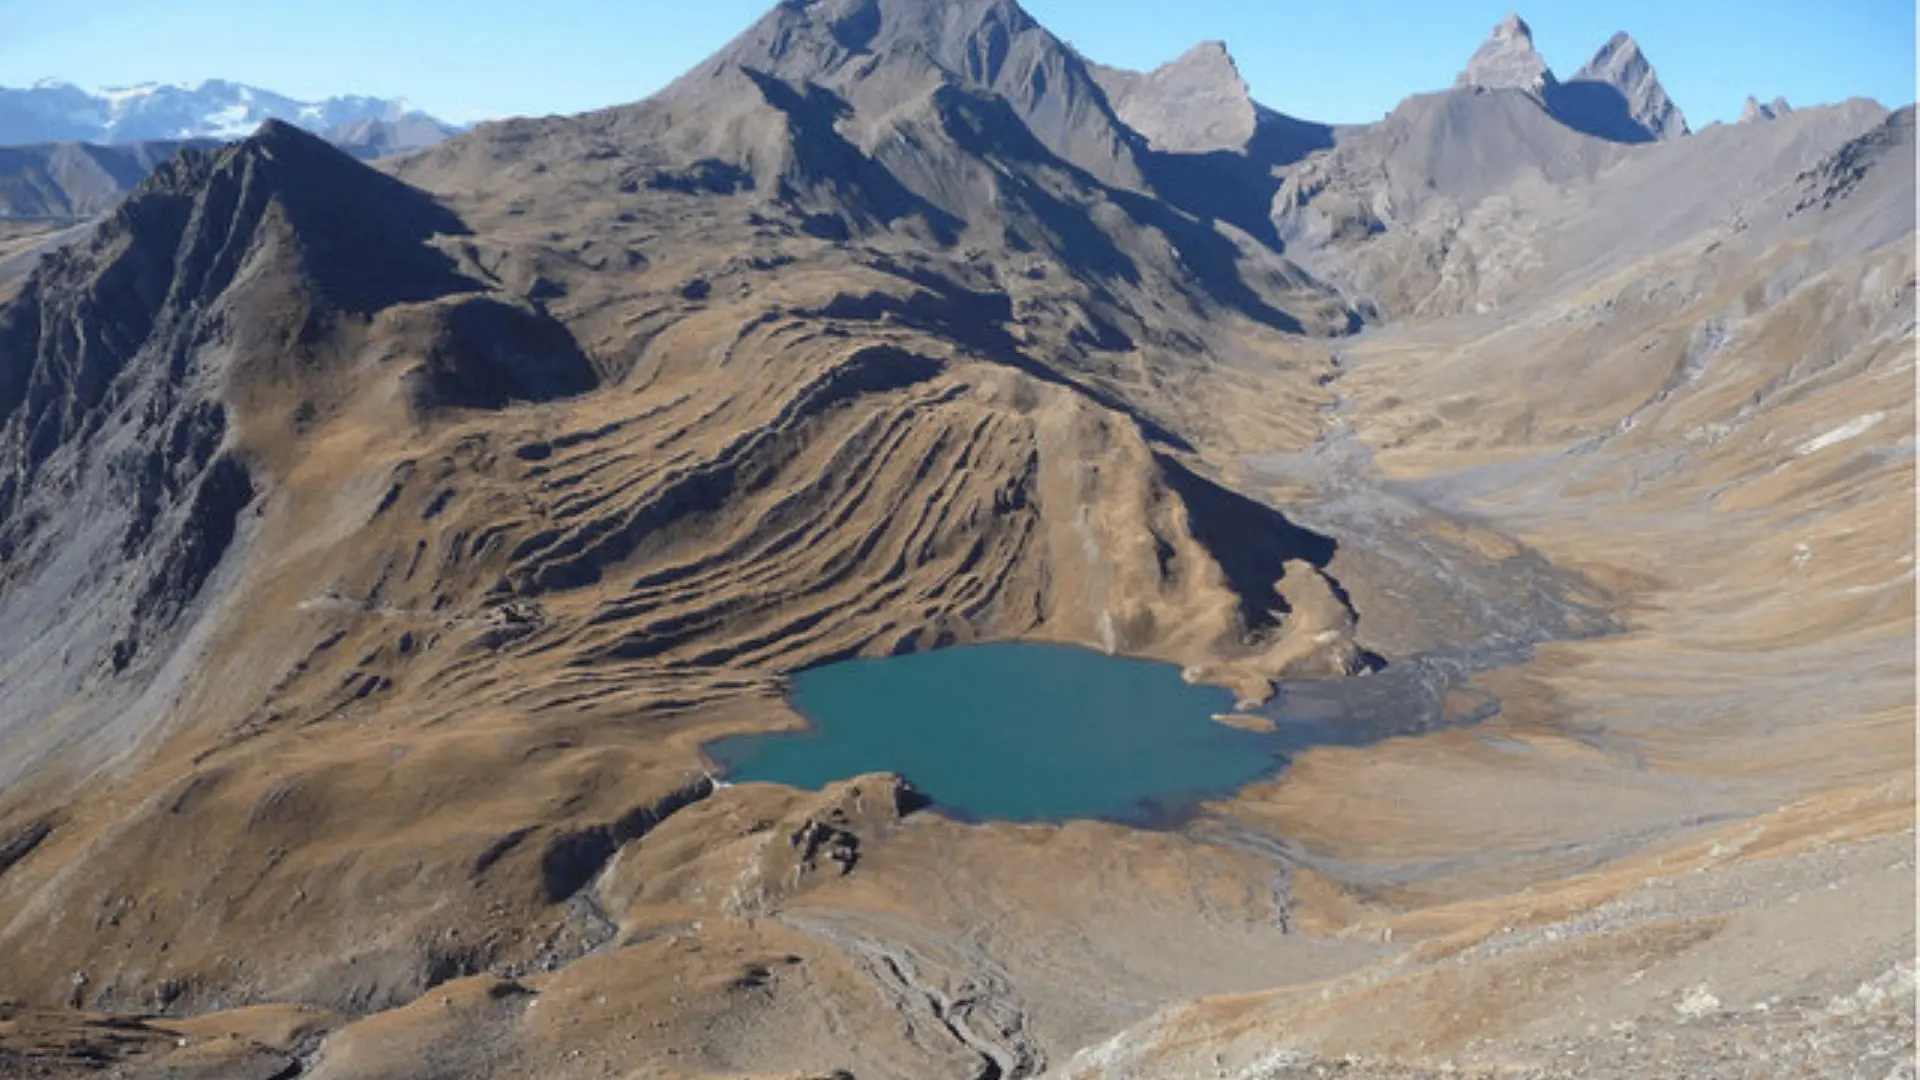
x=1346, y=62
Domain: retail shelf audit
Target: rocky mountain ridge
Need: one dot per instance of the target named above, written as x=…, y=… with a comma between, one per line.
x=1507, y=60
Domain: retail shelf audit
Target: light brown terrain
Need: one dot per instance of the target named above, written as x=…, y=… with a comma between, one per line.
x=378, y=548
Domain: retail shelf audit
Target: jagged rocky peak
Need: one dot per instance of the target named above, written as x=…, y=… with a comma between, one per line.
x=1621, y=64
x=1757, y=110
x=862, y=26
x=1207, y=67
x=1508, y=61
x=981, y=42
x=1194, y=104
x=1208, y=62
x=876, y=54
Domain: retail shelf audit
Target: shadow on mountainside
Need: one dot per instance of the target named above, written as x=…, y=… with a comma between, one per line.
x=977, y=320
x=1597, y=109
x=1251, y=541
x=823, y=157
x=1237, y=187
x=989, y=129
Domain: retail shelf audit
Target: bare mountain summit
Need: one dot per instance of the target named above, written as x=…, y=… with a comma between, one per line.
x=1193, y=104
x=900, y=51
x=1507, y=60
x=1200, y=104
x=1621, y=65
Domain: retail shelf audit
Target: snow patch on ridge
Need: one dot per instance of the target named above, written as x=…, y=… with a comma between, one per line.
x=1853, y=428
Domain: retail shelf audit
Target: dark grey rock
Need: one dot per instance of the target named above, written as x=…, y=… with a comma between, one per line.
x=1507, y=60
x=1622, y=66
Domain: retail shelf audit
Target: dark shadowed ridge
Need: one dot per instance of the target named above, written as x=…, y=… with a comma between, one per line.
x=71, y=181
x=361, y=233
x=353, y=237
x=214, y=298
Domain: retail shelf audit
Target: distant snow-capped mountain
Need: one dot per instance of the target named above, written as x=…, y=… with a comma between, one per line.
x=51, y=111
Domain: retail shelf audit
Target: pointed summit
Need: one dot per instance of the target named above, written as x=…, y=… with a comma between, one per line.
x=869, y=52
x=1621, y=65
x=1508, y=61
x=1194, y=104
x=1211, y=53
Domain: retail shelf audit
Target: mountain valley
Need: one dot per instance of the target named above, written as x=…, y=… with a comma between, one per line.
x=382, y=543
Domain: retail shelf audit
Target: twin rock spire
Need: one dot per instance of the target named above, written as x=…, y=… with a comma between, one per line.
x=1509, y=61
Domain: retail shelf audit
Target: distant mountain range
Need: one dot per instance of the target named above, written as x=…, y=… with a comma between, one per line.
x=57, y=112
x=67, y=154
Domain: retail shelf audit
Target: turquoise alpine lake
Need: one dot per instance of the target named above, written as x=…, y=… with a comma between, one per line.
x=1013, y=732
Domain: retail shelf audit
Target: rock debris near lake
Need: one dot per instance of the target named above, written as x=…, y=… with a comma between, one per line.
x=390, y=551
